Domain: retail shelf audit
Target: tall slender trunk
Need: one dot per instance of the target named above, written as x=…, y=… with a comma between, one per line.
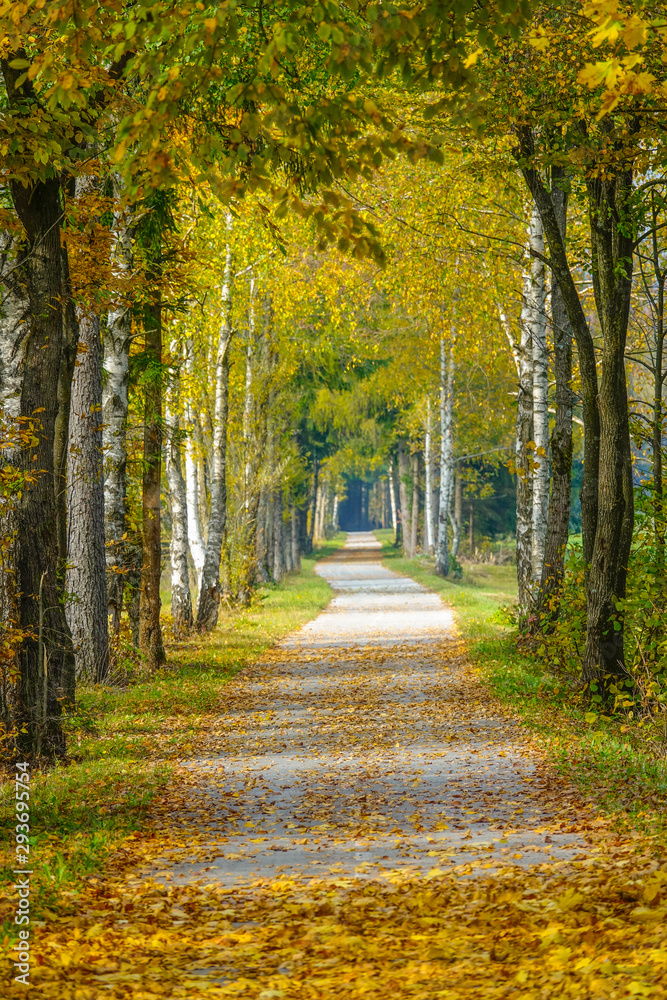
x=553, y=571
x=313, y=505
x=455, y=515
x=150, y=630
x=392, y=502
x=209, y=597
x=334, y=514
x=114, y=415
x=535, y=294
x=446, y=452
x=87, y=611
x=181, y=600
x=403, y=474
x=296, y=548
x=195, y=538
x=523, y=356
x=429, y=539
x=278, y=562
x=414, y=526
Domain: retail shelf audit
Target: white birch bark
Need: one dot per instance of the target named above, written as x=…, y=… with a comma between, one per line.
x=14, y=328
x=209, y=596
x=181, y=600
x=429, y=539
x=334, y=515
x=117, y=339
x=248, y=399
x=392, y=500
x=536, y=292
x=195, y=536
x=446, y=451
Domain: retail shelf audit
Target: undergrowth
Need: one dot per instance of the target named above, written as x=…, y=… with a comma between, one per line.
x=607, y=759
x=124, y=740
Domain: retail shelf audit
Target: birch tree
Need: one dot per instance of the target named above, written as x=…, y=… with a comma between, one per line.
x=446, y=451
x=209, y=595
x=181, y=600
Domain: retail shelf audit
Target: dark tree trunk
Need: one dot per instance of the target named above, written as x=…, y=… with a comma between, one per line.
x=150, y=631
x=612, y=247
x=86, y=573
x=45, y=657
x=561, y=438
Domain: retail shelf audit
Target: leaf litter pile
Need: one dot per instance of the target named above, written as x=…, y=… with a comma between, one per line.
x=365, y=822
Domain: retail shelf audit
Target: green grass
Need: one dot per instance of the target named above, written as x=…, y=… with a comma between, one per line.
x=606, y=760
x=123, y=741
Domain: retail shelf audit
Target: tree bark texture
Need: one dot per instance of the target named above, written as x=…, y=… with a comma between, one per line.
x=414, y=521
x=403, y=478
x=446, y=452
x=181, y=600
x=392, y=501
x=45, y=660
x=210, y=593
x=86, y=582
x=429, y=535
x=117, y=339
x=606, y=497
x=535, y=313
x=150, y=631
x=561, y=439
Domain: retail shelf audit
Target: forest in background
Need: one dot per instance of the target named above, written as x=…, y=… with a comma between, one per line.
x=252, y=257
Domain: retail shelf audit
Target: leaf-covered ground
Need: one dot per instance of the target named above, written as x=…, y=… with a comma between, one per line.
x=362, y=819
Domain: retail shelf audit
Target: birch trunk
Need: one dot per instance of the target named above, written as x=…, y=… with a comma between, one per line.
x=150, y=629
x=195, y=537
x=114, y=416
x=535, y=296
x=403, y=475
x=456, y=516
x=392, y=502
x=209, y=596
x=446, y=452
x=429, y=539
x=87, y=612
x=561, y=439
x=414, y=525
x=278, y=563
x=181, y=600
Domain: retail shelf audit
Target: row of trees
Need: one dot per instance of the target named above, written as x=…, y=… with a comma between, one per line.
x=172, y=177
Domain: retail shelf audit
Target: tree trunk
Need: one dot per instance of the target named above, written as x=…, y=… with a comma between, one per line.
x=395, y=523
x=181, y=600
x=561, y=439
x=45, y=657
x=606, y=498
x=278, y=564
x=87, y=611
x=114, y=417
x=535, y=292
x=296, y=550
x=195, y=539
x=209, y=597
x=403, y=475
x=612, y=282
x=150, y=631
x=313, y=506
x=455, y=517
x=414, y=525
x=429, y=538
x=446, y=453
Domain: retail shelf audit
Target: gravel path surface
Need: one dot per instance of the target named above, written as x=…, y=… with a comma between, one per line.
x=364, y=745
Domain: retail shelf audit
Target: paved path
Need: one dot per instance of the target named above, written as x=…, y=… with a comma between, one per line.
x=364, y=746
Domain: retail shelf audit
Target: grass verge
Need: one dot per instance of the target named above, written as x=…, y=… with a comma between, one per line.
x=125, y=741
x=608, y=761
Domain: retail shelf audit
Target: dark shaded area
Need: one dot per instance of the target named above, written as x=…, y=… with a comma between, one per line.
x=353, y=511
